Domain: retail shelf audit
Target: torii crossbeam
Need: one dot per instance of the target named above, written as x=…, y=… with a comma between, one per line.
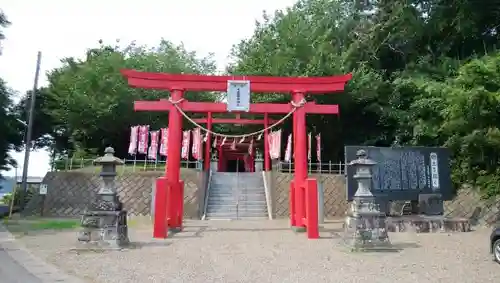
x=169, y=199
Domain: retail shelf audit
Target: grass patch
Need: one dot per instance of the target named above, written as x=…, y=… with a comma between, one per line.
x=24, y=226
x=56, y=225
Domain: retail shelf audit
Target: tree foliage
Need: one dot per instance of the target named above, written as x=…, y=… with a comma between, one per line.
x=3, y=24
x=425, y=72
x=88, y=105
x=10, y=129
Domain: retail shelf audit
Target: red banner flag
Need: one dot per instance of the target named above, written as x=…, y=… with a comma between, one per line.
x=186, y=136
x=309, y=143
x=164, y=141
x=153, y=148
x=132, y=147
x=197, y=140
x=143, y=139
x=288, y=151
x=318, y=147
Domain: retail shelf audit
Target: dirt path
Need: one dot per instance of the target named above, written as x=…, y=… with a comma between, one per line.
x=267, y=251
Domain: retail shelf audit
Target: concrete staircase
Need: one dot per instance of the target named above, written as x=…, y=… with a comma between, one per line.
x=236, y=196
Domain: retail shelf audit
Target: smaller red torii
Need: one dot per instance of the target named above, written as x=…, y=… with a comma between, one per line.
x=169, y=199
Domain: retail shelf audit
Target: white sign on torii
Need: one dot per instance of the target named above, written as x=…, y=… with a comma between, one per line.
x=238, y=96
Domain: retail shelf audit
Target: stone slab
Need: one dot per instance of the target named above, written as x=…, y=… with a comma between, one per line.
x=427, y=224
x=299, y=229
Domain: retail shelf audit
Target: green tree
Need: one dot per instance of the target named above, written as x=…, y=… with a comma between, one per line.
x=415, y=67
x=10, y=137
x=3, y=24
x=463, y=114
x=88, y=104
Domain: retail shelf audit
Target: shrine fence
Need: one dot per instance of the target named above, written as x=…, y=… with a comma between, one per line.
x=138, y=165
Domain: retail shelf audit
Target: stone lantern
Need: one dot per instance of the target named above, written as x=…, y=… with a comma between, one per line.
x=105, y=222
x=366, y=223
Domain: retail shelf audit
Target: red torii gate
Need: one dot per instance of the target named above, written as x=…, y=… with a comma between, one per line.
x=169, y=199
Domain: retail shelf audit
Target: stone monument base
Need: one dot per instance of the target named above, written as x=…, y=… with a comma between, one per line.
x=427, y=224
x=104, y=229
x=367, y=232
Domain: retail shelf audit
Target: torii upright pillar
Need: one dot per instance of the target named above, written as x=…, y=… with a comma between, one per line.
x=170, y=190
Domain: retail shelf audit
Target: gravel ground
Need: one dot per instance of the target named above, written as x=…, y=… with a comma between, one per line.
x=267, y=251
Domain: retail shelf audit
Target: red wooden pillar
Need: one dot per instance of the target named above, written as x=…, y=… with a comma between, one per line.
x=292, y=195
x=221, y=163
x=169, y=190
x=208, y=143
x=311, y=189
x=300, y=163
x=267, y=158
x=174, y=163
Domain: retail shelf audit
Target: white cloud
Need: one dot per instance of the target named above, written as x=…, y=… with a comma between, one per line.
x=67, y=28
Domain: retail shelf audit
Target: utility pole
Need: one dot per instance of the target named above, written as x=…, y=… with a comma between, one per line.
x=29, y=131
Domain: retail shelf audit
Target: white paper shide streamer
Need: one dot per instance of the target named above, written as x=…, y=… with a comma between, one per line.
x=288, y=152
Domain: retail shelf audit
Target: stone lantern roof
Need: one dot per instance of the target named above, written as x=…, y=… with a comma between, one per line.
x=109, y=158
x=362, y=159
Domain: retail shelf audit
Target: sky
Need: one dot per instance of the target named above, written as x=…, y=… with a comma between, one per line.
x=61, y=28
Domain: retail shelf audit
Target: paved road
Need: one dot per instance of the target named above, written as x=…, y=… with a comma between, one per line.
x=18, y=265
x=13, y=272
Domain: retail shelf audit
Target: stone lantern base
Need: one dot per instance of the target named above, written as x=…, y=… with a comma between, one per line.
x=105, y=225
x=365, y=227
x=105, y=229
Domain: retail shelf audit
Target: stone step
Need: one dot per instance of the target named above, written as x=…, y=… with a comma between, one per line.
x=235, y=194
x=230, y=207
x=245, y=202
x=244, y=193
x=233, y=186
x=235, y=198
x=233, y=215
x=237, y=190
x=241, y=213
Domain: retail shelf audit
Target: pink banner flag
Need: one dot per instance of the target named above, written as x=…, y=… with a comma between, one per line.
x=201, y=139
x=288, y=152
x=269, y=141
x=143, y=139
x=153, y=147
x=197, y=140
x=132, y=147
x=250, y=147
x=275, y=145
x=186, y=136
x=309, y=143
x=164, y=141
x=318, y=147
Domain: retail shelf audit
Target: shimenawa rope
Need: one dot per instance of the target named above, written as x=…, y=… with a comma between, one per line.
x=295, y=106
